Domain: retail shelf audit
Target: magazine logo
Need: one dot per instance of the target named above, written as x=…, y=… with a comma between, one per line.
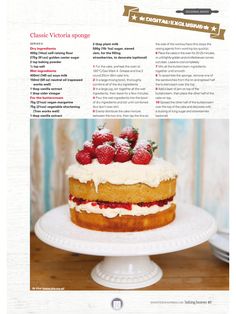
x=116, y=304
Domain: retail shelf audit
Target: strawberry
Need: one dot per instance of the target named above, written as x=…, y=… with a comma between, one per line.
x=149, y=145
x=120, y=142
x=105, y=153
x=102, y=136
x=90, y=148
x=123, y=154
x=141, y=157
x=83, y=157
x=130, y=134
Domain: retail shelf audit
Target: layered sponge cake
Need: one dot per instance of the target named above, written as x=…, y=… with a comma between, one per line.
x=132, y=192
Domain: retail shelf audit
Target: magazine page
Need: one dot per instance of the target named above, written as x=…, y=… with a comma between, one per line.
x=118, y=164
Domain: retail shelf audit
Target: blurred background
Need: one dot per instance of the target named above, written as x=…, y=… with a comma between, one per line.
x=198, y=148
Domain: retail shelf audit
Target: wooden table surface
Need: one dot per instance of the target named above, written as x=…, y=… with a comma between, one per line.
x=192, y=269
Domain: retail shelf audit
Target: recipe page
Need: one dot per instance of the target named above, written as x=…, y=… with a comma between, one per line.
x=119, y=118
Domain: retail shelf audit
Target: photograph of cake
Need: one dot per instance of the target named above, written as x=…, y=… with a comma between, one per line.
x=128, y=177
x=118, y=184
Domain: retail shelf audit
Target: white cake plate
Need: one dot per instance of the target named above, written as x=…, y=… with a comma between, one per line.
x=126, y=264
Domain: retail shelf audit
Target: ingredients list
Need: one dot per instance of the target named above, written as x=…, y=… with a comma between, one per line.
x=102, y=79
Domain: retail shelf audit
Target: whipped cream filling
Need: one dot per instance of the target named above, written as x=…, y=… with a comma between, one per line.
x=113, y=212
x=123, y=173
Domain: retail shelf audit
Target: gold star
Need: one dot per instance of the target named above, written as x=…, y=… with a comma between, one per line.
x=213, y=28
x=134, y=17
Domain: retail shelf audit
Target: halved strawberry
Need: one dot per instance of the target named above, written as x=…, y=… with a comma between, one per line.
x=83, y=157
x=141, y=157
x=105, y=153
x=130, y=134
x=101, y=136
